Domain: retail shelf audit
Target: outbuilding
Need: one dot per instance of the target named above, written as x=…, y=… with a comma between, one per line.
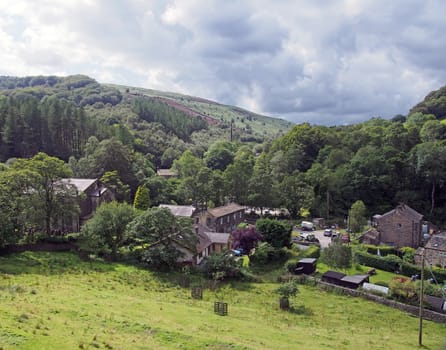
x=333, y=277
x=306, y=266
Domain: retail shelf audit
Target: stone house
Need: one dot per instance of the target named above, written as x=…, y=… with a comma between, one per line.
x=223, y=219
x=91, y=193
x=209, y=242
x=400, y=227
x=434, y=251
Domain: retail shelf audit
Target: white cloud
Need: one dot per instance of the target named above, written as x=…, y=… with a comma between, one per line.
x=325, y=62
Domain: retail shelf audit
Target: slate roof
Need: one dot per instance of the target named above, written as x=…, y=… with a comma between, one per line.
x=81, y=184
x=225, y=210
x=179, y=210
x=218, y=237
x=404, y=210
x=437, y=241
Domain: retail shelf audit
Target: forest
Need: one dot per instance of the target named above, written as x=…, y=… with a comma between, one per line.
x=94, y=131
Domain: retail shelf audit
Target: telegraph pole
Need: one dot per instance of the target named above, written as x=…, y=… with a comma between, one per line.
x=420, y=334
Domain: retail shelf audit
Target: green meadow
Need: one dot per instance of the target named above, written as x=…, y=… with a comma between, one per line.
x=56, y=301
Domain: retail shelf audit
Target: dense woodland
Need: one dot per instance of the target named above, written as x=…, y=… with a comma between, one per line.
x=90, y=130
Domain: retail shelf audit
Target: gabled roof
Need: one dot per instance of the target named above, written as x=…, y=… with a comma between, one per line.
x=225, y=210
x=179, y=210
x=81, y=184
x=405, y=210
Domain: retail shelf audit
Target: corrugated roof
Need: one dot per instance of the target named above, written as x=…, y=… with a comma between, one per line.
x=80, y=184
x=307, y=260
x=179, y=210
x=225, y=210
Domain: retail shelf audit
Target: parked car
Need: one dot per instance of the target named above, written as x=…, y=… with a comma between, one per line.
x=328, y=232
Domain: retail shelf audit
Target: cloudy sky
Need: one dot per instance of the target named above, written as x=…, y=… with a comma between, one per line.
x=326, y=62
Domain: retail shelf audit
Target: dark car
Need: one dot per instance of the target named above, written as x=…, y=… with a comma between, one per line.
x=328, y=232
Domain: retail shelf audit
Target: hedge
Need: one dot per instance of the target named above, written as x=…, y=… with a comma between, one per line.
x=383, y=250
x=392, y=263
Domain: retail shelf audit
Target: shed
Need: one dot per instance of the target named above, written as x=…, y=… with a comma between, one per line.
x=354, y=281
x=435, y=303
x=332, y=277
x=306, y=266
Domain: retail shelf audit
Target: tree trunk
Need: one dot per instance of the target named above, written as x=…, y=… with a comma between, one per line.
x=284, y=303
x=433, y=197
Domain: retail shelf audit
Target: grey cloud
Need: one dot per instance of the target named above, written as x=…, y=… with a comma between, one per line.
x=316, y=61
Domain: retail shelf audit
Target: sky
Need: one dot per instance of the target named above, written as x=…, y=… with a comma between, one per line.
x=327, y=62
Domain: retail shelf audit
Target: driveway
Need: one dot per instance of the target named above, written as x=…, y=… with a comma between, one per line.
x=324, y=241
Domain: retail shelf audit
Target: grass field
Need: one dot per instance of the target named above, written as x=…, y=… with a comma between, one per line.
x=55, y=301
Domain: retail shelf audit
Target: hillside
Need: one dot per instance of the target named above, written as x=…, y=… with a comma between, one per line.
x=213, y=112
x=47, y=107
x=434, y=103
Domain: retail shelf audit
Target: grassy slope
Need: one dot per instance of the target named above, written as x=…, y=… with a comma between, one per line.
x=58, y=302
x=259, y=124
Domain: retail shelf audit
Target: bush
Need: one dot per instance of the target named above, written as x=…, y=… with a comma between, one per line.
x=265, y=253
x=287, y=289
x=408, y=254
x=313, y=251
x=291, y=264
x=221, y=266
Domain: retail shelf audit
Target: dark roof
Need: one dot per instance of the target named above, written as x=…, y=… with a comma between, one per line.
x=356, y=279
x=405, y=210
x=225, y=210
x=436, y=302
x=334, y=274
x=203, y=242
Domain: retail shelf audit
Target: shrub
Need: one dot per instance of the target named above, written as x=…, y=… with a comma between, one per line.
x=408, y=254
x=287, y=289
x=313, y=251
x=221, y=266
x=265, y=253
x=291, y=264
x=403, y=289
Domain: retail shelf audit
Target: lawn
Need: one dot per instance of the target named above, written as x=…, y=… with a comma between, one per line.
x=55, y=301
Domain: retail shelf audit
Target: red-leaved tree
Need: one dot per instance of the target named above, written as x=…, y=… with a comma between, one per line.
x=245, y=238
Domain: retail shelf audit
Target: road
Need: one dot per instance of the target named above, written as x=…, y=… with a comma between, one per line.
x=324, y=241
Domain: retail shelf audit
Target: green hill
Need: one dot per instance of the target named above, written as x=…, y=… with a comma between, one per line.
x=45, y=112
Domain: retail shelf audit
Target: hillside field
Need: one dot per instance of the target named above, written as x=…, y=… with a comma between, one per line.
x=56, y=301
